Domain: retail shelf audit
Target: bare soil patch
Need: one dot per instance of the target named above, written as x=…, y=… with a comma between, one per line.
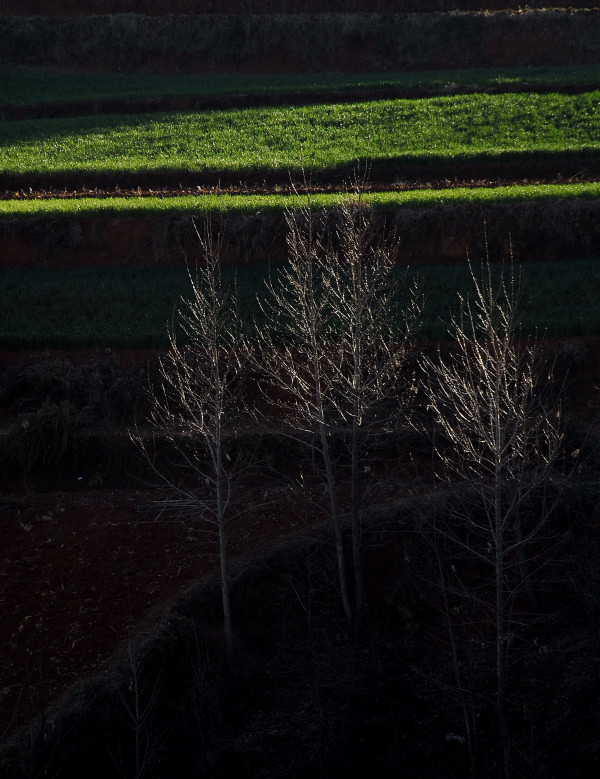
x=82, y=572
x=280, y=189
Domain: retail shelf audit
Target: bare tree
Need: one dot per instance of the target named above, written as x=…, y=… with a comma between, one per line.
x=195, y=401
x=374, y=326
x=492, y=402
x=333, y=348
x=137, y=707
x=296, y=354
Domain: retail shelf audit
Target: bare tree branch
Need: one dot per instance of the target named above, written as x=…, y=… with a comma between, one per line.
x=333, y=348
x=491, y=399
x=195, y=402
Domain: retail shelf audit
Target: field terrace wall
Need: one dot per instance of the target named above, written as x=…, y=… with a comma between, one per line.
x=161, y=7
x=529, y=232
x=302, y=43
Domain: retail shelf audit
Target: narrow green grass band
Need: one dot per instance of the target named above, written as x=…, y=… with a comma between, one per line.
x=121, y=207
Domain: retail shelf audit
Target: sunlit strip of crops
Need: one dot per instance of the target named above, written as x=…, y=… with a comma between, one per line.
x=277, y=203
x=292, y=138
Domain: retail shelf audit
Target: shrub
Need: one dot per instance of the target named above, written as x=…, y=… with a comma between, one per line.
x=45, y=436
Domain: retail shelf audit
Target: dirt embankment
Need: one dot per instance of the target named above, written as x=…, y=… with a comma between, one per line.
x=539, y=231
x=108, y=564
x=396, y=174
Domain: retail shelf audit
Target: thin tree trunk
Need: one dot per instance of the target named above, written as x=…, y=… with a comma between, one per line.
x=356, y=410
x=329, y=474
x=337, y=528
x=501, y=671
x=457, y=675
x=225, y=595
x=501, y=637
x=356, y=530
x=524, y=562
x=221, y=509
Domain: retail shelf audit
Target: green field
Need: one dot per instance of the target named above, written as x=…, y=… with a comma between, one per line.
x=459, y=128
x=44, y=86
x=130, y=308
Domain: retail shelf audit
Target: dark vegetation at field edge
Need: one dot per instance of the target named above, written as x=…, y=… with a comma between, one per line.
x=162, y=7
x=286, y=43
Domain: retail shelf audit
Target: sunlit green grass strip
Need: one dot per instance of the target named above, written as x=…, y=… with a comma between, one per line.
x=119, y=207
x=129, y=307
x=28, y=87
x=441, y=130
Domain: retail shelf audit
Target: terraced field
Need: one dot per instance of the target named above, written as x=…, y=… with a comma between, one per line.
x=451, y=159
x=124, y=124
x=457, y=162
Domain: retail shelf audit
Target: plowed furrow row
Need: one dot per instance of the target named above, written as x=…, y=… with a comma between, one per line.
x=241, y=189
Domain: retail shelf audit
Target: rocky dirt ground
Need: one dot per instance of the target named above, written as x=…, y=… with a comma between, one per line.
x=81, y=572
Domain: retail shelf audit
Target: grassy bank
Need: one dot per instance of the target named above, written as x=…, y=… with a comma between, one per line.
x=129, y=308
x=443, y=129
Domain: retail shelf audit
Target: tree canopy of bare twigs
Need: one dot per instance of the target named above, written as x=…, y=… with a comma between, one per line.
x=196, y=401
x=500, y=443
x=334, y=345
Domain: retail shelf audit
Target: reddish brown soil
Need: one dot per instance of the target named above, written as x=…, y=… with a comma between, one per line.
x=283, y=189
x=383, y=174
x=81, y=571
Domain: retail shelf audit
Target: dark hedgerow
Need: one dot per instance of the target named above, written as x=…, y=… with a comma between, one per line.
x=162, y=7
x=254, y=43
